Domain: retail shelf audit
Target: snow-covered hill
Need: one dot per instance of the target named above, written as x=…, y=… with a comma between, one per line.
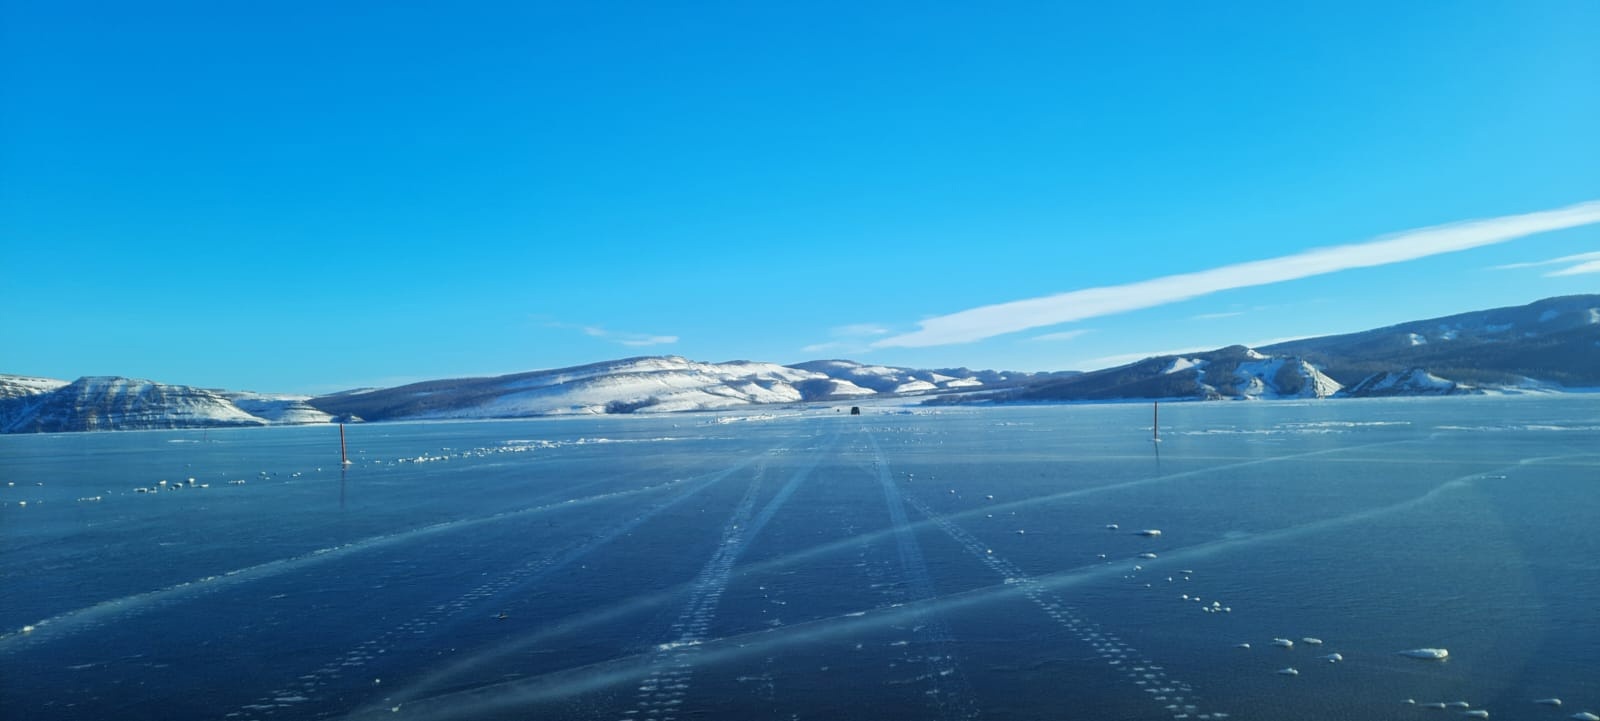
x=19, y=386
x=652, y=384
x=888, y=379
x=1555, y=341
x=1545, y=346
x=106, y=403
x=110, y=403
x=632, y=385
x=278, y=409
x=1411, y=382
x=1235, y=372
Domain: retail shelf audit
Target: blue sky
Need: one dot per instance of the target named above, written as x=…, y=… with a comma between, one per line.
x=308, y=197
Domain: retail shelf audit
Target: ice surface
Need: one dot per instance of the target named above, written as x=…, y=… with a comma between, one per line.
x=591, y=567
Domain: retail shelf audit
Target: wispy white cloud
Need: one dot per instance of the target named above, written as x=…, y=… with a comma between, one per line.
x=1592, y=266
x=1063, y=335
x=991, y=320
x=1579, y=258
x=859, y=330
x=645, y=340
x=632, y=340
x=1216, y=316
x=1580, y=264
x=848, y=339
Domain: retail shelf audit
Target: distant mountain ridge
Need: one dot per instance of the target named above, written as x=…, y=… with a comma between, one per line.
x=107, y=403
x=1235, y=372
x=649, y=384
x=1552, y=341
x=1544, y=346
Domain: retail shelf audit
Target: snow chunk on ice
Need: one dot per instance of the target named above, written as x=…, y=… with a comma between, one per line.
x=1432, y=654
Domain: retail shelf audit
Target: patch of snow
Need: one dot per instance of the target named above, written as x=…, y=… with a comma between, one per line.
x=1549, y=315
x=838, y=387
x=1182, y=364
x=914, y=387
x=278, y=409
x=1259, y=379
x=881, y=371
x=1416, y=339
x=1450, y=335
x=17, y=386
x=1415, y=381
x=113, y=403
x=1430, y=654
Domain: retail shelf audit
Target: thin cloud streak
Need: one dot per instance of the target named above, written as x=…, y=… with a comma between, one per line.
x=988, y=321
x=859, y=330
x=648, y=340
x=1063, y=335
x=1216, y=316
x=632, y=340
x=848, y=339
x=1592, y=266
x=1553, y=261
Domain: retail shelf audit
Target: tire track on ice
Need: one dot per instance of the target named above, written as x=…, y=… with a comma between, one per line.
x=612, y=613
x=950, y=691
x=564, y=683
x=99, y=614
x=306, y=686
x=1176, y=696
x=660, y=696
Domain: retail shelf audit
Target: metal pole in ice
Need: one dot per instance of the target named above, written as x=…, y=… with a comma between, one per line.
x=344, y=454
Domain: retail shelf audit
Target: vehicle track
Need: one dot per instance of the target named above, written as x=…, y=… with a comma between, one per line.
x=309, y=687
x=662, y=692
x=1175, y=695
x=115, y=610
x=950, y=691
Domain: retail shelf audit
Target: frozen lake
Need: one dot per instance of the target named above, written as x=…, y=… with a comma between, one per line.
x=815, y=565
